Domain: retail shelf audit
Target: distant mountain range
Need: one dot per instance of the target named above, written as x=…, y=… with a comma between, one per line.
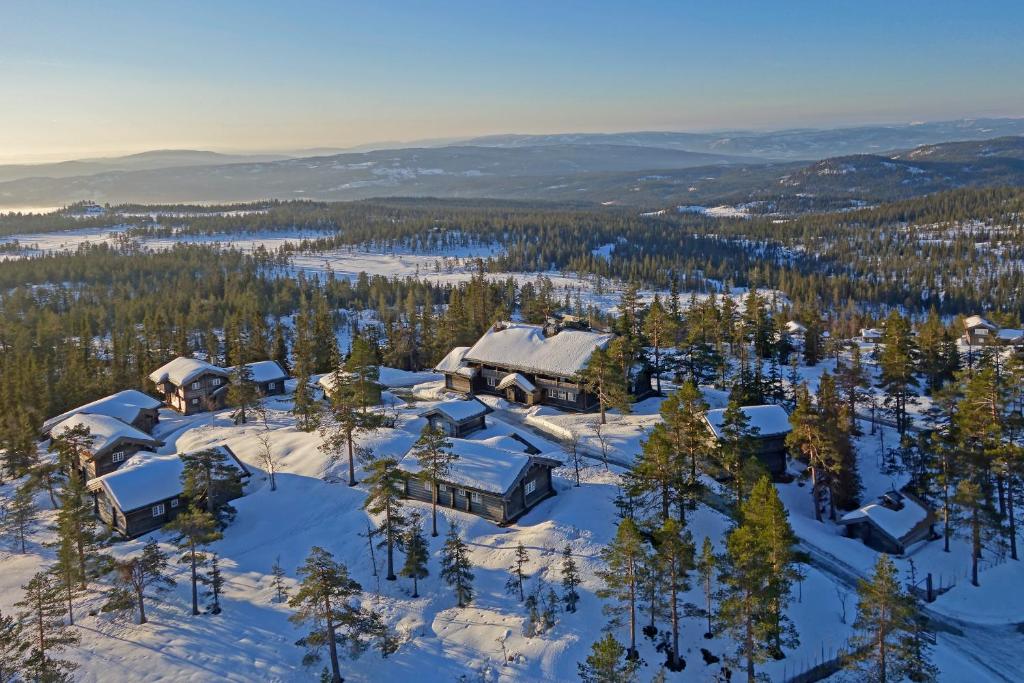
x=640, y=169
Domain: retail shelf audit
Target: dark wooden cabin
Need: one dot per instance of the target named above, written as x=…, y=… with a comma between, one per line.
x=487, y=480
x=458, y=418
x=893, y=523
x=268, y=376
x=113, y=442
x=770, y=424
x=191, y=386
x=134, y=408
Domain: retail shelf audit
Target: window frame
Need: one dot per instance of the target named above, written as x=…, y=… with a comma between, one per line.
x=118, y=456
x=530, y=487
x=159, y=510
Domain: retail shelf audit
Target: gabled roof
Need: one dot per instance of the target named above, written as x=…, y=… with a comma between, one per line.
x=104, y=430
x=1010, y=335
x=793, y=327
x=124, y=405
x=453, y=361
x=977, y=321
x=266, y=371
x=871, y=333
x=458, y=411
x=519, y=346
x=517, y=379
x=769, y=420
x=149, y=478
x=896, y=524
x=181, y=371
x=488, y=465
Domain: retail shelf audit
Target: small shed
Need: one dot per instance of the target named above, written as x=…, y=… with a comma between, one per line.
x=113, y=442
x=268, y=376
x=893, y=523
x=146, y=493
x=458, y=418
x=458, y=376
x=769, y=424
x=132, y=407
x=491, y=478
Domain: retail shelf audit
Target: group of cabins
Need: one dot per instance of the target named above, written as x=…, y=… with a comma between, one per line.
x=534, y=365
x=193, y=386
x=978, y=332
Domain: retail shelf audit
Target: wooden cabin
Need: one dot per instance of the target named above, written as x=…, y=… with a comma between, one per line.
x=769, y=424
x=893, y=523
x=533, y=365
x=374, y=390
x=191, y=386
x=458, y=418
x=978, y=331
x=268, y=376
x=492, y=478
x=113, y=442
x=134, y=408
x=147, y=493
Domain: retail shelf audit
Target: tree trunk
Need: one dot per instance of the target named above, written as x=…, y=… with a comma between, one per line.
x=433, y=509
x=748, y=649
x=975, y=546
x=675, y=620
x=1013, y=522
x=195, y=589
x=391, y=562
x=814, y=493
x=332, y=645
x=632, y=619
x=657, y=368
x=415, y=587
x=351, y=462
x=142, y=606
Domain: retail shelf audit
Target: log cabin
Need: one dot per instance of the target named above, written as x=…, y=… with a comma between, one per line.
x=268, y=376
x=533, y=365
x=457, y=418
x=113, y=442
x=892, y=524
x=769, y=424
x=491, y=478
x=147, y=493
x=979, y=331
x=134, y=408
x=191, y=386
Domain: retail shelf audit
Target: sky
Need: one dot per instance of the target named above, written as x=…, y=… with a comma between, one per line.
x=81, y=78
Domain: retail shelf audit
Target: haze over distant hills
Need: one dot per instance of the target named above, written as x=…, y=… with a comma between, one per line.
x=642, y=168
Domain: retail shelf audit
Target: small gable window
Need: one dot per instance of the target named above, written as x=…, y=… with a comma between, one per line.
x=158, y=510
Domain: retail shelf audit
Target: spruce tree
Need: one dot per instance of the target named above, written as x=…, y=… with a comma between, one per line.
x=214, y=580
x=456, y=566
x=433, y=452
x=13, y=647
x=624, y=558
x=148, y=571
x=324, y=602
x=384, y=497
x=707, y=563
x=76, y=529
x=897, y=363
x=42, y=615
x=570, y=580
x=809, y=438
x=608, y=662
x=19, y=517
x=194, y=529
x=362, y=365
x=210, y=479
x=659, y=328
x=735, y=447
x=243, y=394
x=277, y=582
x=517, y=575
x=417, y=554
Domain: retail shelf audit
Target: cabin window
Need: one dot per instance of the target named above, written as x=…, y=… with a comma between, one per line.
x=158, y=510
x=196, y=385
x=476, y=497
x=174, y=502
x=570, y=396
x=492, y=381
x=530, y=487
x=195, y=401
x=117, y=456
x=443, y=488
x=215, y=381
x=271, y=386
x=552, y=393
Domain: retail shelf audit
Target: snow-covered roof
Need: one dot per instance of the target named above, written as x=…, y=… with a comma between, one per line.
x=149, y=478
x=978, y=321
x=145, y=479
x=483, y=465
x=1009, y=335
x=467, y=372
x=793, y=327
x=896, y=523
x=517, y=379
x=870, y=333
x=525, y=347
x=183, y=370
x=124, y=405
x=266, y=371
x=453, y=361
x=457, y=411
x=105, y=430
x=769, y=420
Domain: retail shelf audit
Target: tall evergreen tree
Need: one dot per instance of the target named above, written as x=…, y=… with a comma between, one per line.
x=194, y=529
x=675, y=555
x=365, y=372
x=659, y=328
x=517, y=573
x=417, y=553
x=623, y=558
x=707, y=562
x=243, y=394
x=897, y=363
x=570, y=580
x=138, y=575
x=386, y=484
x=210, y=479
x=13, y=647
x=605, y=380
x=457, y=567
x=42, y=614
x=433, y=452
x=19, y=517
x=608, y=662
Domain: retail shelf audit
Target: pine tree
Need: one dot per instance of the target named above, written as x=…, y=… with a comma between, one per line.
x=608, y=662
x=624, y=558
x=19, y=517
x=214, y=580
x=194, y=529
x=687, y=434
x=138, y=575
x=810, y=439
x=362, y=365
x=736, y=447
x=897, y=364
x=433, y=452
x=570, y=580
x=210, y=479
x=324, y=601
x=884, y=644
x=279, y=347
x=659, y=328
x=73, y=446
x=277, y=582
x=347, y=421
x=417, y=554
x=68, y=580
x=76, y=527
x=675, y=556
x=707, y=562
x=13, y=647
x=243, y=393
x=602, y=378
x=456, y=566
x=517, y=576
x=42, y=612
x=384, y=497
x=305, y=407
x=852, y=382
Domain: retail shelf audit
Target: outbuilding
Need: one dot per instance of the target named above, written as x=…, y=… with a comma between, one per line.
x=458, y=418
x=893, y=523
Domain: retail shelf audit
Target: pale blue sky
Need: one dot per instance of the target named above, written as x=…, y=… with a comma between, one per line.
x=81, y=78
